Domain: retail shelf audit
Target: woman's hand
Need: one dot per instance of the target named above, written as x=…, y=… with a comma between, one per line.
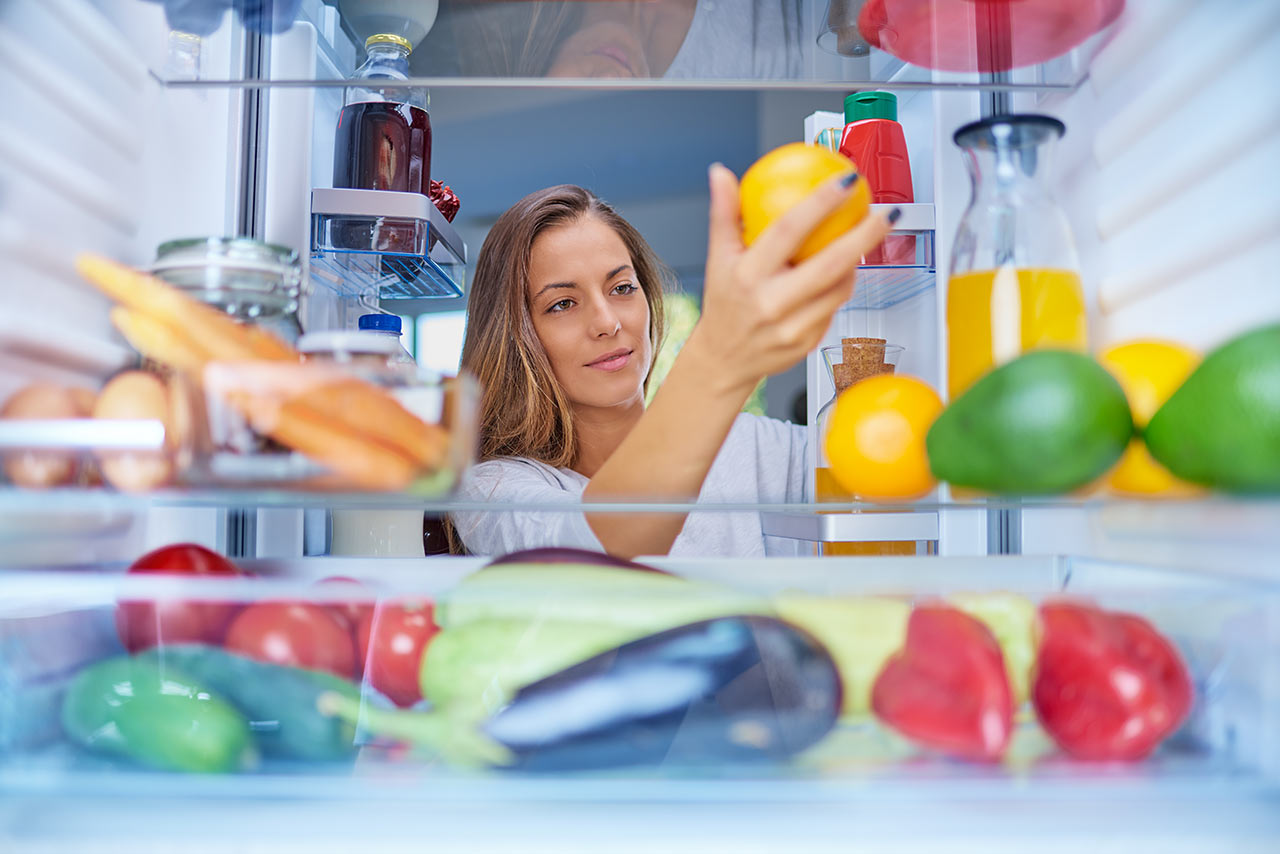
x=760, y=313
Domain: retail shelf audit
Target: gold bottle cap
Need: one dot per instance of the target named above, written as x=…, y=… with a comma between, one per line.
x=388, y=38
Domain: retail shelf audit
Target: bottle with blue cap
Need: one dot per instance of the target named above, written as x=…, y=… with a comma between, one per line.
x=389, y=325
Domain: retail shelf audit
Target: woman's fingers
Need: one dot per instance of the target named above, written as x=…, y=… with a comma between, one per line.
x=845, y=252
x=724, y=237
x=835, y=263
x=777, y=243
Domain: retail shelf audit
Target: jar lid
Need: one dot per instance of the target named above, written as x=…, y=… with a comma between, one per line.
x=348, y=341
x=870, y=105
x=239, y=252
x=381, y=322
x=388, y=38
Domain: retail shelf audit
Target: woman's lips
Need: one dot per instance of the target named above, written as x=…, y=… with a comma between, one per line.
x=617, y=54
x=612, y=361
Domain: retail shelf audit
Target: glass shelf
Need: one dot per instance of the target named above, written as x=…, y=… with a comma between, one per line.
x=519, y=44
x=1258, y=519
x=394, y=245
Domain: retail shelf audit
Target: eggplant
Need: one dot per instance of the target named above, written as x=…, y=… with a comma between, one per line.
x=724, y=690
x=577, y=557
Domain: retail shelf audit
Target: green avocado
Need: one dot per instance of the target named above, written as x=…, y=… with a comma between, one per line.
x=157, y=716
x=1221, y=428
x=1047, y=422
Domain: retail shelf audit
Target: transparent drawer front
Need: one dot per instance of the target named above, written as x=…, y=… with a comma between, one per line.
x=599, y=682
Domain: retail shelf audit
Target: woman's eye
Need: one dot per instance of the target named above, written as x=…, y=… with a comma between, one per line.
x=625, y=288
x=562, y=305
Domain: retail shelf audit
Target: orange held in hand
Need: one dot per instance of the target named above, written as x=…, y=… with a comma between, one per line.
x=778, y=182
x=875, y=441
x=1149, y=371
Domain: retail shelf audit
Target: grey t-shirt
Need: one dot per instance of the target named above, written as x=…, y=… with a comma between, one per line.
x=743, y=40
x=761, y=461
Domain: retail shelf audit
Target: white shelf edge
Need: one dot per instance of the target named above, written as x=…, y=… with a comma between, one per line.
x=851, y=527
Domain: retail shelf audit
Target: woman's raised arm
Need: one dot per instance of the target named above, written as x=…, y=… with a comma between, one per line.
x=760, y=316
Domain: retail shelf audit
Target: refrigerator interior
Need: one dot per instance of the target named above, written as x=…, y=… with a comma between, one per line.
x=1169, y=174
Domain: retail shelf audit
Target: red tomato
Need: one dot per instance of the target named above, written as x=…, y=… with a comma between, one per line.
x=947, y=688
x=1107, y=685
x=143, y=624
x=297, y=634
x=351, y=612
x=391, y=642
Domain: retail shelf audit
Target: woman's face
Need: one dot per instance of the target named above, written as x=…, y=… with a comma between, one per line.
x=590, y=313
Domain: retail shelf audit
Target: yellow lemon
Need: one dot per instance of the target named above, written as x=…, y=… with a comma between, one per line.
x=782, y=178
x=875, y=439
x=1150, y=371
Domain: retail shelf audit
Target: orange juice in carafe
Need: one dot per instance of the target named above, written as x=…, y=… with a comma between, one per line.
x=994, y=315
x=1014, y=282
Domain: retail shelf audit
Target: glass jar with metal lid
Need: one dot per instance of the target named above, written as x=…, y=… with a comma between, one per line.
x=253, y=281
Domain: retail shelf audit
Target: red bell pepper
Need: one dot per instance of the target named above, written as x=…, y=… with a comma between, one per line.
x=947, y=688
x=1107, y=685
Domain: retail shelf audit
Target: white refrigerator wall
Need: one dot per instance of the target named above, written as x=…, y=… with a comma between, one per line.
x=1170, y=176
x=96, y=155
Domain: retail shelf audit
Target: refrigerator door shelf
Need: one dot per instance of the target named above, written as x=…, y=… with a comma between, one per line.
x=392, y=245
x=885, y=285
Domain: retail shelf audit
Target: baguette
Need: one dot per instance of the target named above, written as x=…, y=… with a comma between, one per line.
x=159, y=341
x=221, y=337
x=361, y=461
x=374, y=412
x=356, y=428
x=336, y=396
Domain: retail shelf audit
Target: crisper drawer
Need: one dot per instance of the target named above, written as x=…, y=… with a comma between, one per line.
x=539, y=742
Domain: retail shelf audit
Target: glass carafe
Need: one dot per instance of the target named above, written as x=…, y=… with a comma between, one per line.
x=1015, y=280
x=851, y=360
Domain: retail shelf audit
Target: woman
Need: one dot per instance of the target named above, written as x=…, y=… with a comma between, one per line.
x=564, y=317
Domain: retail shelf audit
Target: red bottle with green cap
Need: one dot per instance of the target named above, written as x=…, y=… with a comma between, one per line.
x=874, y=141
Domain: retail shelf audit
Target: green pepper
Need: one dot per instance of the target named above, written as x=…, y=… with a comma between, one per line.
x=157, y=716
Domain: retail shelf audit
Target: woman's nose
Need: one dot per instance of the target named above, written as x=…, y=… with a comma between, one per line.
x=604, y=322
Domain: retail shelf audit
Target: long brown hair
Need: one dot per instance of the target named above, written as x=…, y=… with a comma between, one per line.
x=523, y=410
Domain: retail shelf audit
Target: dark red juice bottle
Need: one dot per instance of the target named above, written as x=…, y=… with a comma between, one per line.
x=383, y=146
x=383, y=142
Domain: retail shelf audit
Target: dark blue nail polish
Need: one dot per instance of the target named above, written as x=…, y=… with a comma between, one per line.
x=895, y=215
x=847, y=180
